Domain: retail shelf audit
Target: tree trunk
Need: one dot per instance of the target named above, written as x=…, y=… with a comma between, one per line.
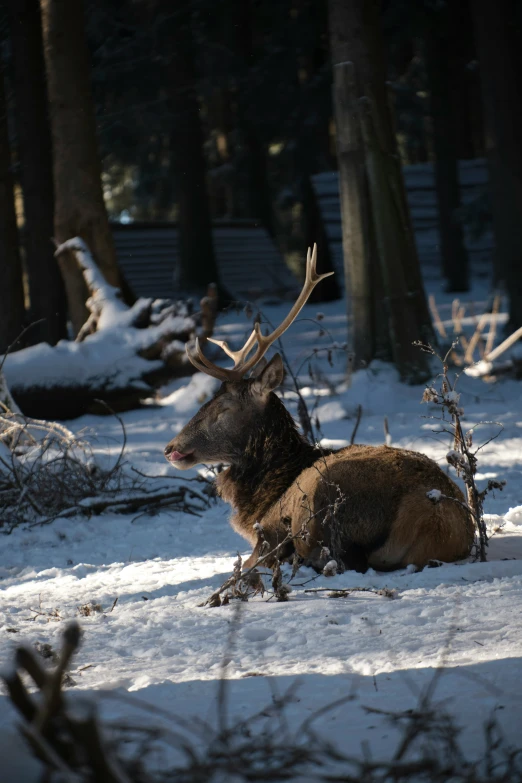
x=239, y=37
x=259, y=196
x=356, y=37
x=464, y=83
x=46, y=288
x=328, y=289
x=357, y=227
x=447, y=184
x=307, y=144
x=79, y=206
x=12, y=312
x=498, y=40
x=198, y=265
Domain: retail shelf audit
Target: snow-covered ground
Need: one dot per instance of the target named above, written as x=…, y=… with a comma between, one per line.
x=159, y=647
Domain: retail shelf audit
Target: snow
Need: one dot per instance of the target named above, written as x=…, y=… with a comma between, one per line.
x=330, y=568
x=105, y=298
x=158, y=648
x=452, y=396
x=110, y=354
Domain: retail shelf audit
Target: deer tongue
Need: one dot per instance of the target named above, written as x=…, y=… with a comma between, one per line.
x=175, y=456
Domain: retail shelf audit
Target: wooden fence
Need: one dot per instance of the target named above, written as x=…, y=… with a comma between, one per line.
x=420, y=189
x=248, y=261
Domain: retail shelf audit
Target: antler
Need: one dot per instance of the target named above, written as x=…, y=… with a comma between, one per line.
x=241, y=363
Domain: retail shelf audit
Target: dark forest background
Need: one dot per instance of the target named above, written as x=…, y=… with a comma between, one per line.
x=196, y=110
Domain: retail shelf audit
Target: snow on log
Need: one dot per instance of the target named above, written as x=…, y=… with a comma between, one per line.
x=118, y=355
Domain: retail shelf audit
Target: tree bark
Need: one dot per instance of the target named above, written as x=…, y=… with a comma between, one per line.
x=357, y=226
x=447, y=184
x=328, y=289
x=498, y=40
x=464, y=83
x=79, y=206
x=239, y=34
x=46, y=288
x=198, y=265
x=356, y=38
x=308, y=142
x=12, y=311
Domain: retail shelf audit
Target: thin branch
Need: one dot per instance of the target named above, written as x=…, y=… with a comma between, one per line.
x=356, y=426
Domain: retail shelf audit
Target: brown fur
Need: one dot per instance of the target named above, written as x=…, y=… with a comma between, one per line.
x=367, y=504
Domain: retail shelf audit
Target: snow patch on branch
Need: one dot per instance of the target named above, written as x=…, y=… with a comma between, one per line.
x=118, y=346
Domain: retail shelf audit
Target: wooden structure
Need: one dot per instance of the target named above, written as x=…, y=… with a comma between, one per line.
x=249, y=263
x=422, y=200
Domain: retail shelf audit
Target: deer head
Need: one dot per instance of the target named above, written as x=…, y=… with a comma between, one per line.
x=221, y=429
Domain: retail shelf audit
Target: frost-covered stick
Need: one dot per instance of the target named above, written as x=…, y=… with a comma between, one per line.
x=461, y=457
x=384, y=591
x=457, y=314
x=470, y=350
x=6, y=400
x=508, y=342
x=436, y=317
x=463, y=445
x=485, y=366
x=18, y=422
x=105, y=300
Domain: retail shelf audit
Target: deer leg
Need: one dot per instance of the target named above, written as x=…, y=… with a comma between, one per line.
x=353, y=559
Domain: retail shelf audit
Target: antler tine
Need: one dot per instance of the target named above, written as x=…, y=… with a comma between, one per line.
x=312, y=278
x=201, y=363
x=237, y=356
x=241, y=364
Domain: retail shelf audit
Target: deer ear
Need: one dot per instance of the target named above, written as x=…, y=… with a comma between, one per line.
x=258, y=369
x=270, y=377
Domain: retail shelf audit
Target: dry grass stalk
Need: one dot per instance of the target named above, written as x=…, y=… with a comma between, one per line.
x=462, y=456
x=485, y=366
x=493, y=327
x=476, y=338
x=436, y=317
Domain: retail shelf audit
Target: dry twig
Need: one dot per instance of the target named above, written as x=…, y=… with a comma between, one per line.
x=47, y=472
x=463, y=457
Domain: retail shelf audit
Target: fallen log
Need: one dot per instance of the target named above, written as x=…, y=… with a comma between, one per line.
x=119, y=356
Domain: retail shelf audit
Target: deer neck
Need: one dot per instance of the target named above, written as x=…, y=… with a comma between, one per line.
x=275, y=455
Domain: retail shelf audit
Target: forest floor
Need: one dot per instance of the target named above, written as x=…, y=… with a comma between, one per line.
x=159, y=649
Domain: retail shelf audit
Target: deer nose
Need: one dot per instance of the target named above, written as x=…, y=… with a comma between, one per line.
x=168, y=449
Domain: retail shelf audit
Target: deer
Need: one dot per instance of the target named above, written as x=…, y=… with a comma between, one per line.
x=366, y=506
